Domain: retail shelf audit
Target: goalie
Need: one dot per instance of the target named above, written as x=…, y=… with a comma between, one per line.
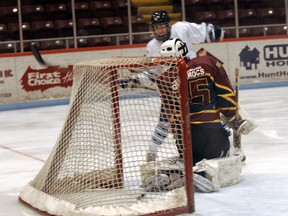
x=211, y=145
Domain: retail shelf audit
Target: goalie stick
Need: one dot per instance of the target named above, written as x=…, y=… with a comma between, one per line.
x=237, y=136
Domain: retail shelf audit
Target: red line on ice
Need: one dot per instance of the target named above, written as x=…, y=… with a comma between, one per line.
x=21, y=153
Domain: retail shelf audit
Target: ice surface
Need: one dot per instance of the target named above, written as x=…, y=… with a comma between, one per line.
x=28, y=135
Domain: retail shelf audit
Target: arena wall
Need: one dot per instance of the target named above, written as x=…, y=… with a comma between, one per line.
x=261, y=61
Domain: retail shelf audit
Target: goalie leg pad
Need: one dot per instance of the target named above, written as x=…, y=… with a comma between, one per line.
x=223, y=172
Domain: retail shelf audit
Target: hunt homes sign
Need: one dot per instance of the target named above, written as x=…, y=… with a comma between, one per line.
x=276, y=55
x=273, y=55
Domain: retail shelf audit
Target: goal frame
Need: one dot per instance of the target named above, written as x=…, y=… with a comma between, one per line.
x=181, y=64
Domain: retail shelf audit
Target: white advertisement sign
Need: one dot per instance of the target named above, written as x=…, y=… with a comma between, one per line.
x=261, y=61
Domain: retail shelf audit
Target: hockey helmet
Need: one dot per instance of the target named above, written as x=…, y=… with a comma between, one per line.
x=161, y=17
x=173, y=47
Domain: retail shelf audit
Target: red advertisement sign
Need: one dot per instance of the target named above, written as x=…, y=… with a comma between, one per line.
x=43, y=79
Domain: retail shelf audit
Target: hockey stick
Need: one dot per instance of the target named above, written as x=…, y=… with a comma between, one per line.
x=40, y=60
x=237, y=136
x=37, y=54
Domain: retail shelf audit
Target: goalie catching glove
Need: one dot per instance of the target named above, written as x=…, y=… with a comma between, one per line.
x=238, y=126
x=242, y=126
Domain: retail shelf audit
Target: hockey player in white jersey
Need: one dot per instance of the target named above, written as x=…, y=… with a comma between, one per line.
x=189, y=33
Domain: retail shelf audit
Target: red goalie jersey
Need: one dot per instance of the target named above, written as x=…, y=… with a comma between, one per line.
x=210, y=90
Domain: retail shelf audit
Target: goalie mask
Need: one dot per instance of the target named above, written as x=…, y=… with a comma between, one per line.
x=160, y=26
x=173, y=47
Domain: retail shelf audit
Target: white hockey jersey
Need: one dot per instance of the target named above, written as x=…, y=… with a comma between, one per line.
x=190, y=33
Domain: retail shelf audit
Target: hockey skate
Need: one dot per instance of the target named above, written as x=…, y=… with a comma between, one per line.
x=202, y=184
x=156, y=183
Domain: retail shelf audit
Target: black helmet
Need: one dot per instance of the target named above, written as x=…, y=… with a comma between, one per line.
x=159, y=17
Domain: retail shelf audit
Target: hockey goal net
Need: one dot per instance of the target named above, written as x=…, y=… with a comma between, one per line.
x=95, y=166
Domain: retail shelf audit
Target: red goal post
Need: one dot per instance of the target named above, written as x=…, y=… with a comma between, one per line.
x=95, y=165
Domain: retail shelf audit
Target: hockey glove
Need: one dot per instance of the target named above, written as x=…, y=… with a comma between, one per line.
x=238, y=126
x=218, y=33
x=215, y=33
x=129, y=83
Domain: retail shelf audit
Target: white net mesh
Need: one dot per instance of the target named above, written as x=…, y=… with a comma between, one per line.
x=94, y=168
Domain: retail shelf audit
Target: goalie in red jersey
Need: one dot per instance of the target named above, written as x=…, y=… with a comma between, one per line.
x=212, y=99
x=210, y=93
